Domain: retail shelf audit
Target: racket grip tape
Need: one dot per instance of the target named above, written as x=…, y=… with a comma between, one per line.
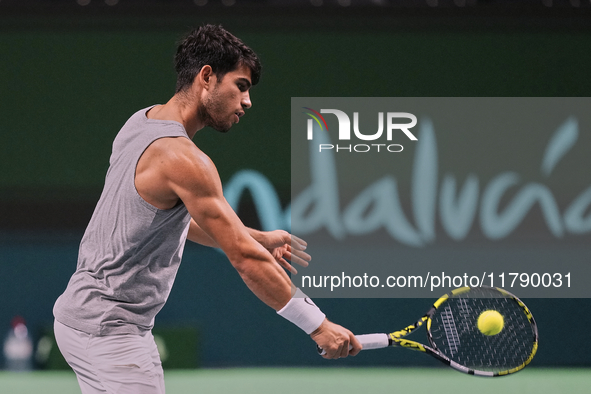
x=368, y=341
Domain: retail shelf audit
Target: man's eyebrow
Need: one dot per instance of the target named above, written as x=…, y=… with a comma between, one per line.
x=246, y=81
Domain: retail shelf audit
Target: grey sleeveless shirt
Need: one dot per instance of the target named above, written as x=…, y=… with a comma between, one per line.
x=131, y=250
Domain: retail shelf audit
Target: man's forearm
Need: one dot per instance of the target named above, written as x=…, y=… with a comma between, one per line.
x=197, y=235
x=265, y=278
x=256, y=234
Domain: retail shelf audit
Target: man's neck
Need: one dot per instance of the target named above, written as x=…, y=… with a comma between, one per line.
x=179, y=110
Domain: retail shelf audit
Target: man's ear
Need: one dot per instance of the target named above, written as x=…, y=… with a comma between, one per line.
x=206, y=77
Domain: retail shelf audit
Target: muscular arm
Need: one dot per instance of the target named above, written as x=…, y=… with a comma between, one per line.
x=197, y=235
x=282, y=245
x=192, y=176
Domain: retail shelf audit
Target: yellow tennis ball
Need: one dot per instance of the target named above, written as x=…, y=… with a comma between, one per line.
x=490, y=322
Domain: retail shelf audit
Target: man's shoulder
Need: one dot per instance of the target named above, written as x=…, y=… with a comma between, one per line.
x=178, y=154
x=138, y=118
x=173, y=147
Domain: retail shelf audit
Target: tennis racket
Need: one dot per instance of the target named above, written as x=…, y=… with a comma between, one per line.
x=455, y=339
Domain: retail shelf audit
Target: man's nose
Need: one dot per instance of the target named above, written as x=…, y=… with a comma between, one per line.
x=246, y=103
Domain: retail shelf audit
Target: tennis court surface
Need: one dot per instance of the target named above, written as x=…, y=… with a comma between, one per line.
x=327, y=380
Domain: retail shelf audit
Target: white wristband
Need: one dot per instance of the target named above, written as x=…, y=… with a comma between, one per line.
x=302, y=312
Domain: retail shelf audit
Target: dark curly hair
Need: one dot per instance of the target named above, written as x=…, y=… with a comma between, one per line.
x=214, y=46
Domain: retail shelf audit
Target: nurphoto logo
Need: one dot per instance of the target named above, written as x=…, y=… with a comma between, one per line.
x=392, y=125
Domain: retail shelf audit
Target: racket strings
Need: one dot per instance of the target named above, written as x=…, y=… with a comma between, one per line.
x=451, y=331
x=454, y=331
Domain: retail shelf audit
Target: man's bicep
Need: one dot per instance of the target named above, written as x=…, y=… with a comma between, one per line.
x=197, y=183
x=192, y=176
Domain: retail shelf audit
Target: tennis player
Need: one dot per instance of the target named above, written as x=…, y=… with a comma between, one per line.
x=160, y=190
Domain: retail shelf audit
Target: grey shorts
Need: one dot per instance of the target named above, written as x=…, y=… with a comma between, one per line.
x=122, y=364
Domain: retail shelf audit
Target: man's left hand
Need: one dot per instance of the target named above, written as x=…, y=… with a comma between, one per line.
x=285, y=246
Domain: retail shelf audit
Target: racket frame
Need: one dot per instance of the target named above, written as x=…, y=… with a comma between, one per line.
x=396, y=338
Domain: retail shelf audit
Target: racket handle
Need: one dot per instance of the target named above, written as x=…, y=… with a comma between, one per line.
x=368, y=341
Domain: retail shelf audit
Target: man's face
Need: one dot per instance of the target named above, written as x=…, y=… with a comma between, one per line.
x=227, y=100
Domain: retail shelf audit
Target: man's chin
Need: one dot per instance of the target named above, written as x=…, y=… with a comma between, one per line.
x=223, y=130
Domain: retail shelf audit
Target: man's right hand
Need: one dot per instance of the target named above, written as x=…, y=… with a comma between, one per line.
x=335, y=340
